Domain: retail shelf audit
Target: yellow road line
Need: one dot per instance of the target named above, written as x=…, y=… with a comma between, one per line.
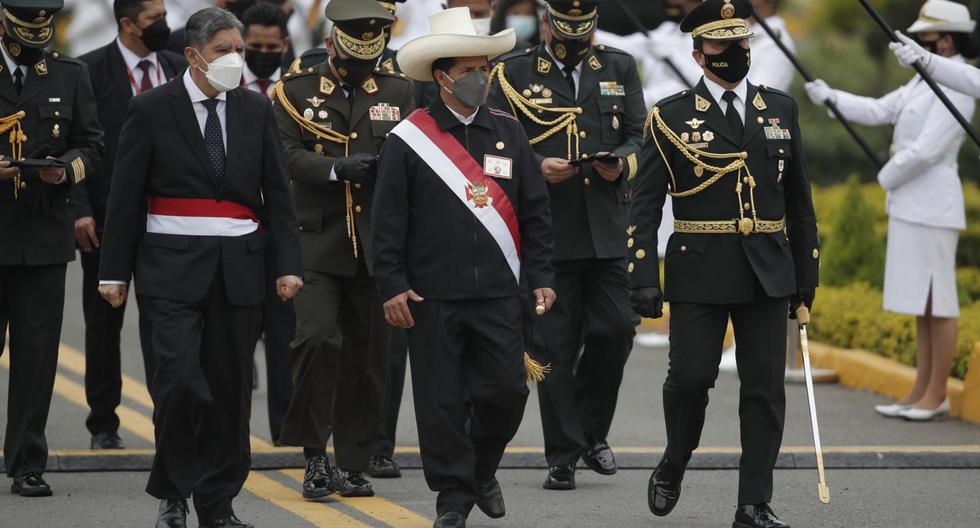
x=377, y=508
x=74, y=360
x=290, y=500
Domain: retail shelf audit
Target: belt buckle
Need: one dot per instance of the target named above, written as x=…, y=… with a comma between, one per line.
x=746, y=226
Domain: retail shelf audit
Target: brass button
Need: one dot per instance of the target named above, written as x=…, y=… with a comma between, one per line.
x=630, y=242
x=353, y=135
x=683, y=249
x=641, y=254
x=816, y=253
x=781, y=151
x=630, y=268
x=582, y=134
x=386, y=135
x=300, y=228
x=747, y=206
x=57, y=113
x=587, y=182
x=615, y=107
x=500, y=145
x=357, y=209
x=23, y=185
x=357, y=185
x=759, y=120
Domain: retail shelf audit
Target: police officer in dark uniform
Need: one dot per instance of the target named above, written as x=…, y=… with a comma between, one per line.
x=48, y=112
x=462, y=230
x=577, y=101
x=333, y=118
x=386, y=61
x=744, y=247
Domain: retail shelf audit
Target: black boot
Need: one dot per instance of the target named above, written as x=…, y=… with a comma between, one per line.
x=757, y=516
x=173, y=514
x=318, y=480
x=664, y=489
x=491, y=499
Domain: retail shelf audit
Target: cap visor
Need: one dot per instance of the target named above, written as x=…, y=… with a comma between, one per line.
x=416, y=57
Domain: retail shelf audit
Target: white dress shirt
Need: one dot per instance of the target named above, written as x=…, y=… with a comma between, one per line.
x=201, y=112
x=717, y=91
x=922, y=176
x=462, y=119
x=133, y=60
x=251, y=81
x=576, y=73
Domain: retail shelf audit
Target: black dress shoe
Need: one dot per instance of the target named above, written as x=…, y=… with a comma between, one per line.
x=382, y=466
x=561, y=478
x=664, y=489
x=109, y=440
x=491, y=499
x=352, y=484
x=757, y=516
x=227, y=522
x=318, y=480
x=450, y=520
x=173, y=514
x=30, y=485
x=600, y=459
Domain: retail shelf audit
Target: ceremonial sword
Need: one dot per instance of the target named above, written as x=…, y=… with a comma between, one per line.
x=803, y=318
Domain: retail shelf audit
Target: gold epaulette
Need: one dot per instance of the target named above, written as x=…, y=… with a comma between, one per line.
x=568, y=118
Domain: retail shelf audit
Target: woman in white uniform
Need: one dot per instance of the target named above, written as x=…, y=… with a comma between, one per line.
x=924, y=203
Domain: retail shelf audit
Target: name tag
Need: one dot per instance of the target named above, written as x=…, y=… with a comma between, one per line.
x=384, y=112
x=498, y=167
x=612, y=88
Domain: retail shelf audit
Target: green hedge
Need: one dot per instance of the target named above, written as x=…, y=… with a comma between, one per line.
x=852, y=317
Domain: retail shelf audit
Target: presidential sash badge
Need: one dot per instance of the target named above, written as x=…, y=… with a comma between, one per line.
x=478, y=195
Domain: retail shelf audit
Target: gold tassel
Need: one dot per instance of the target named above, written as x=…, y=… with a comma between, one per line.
x=535, y=371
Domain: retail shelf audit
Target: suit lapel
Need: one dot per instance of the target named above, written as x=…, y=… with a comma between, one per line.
x=32, y=85
x=7, y=90
x=235, y=123
x=169, y=68
x=120, y=75
x=183, y=110
x=589, y=80
x=714, y=116
x=754, y=119
x=550, y=72
x=363, y=102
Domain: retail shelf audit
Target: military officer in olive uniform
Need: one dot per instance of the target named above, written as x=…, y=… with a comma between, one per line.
x=47, y=110
x=730, y=156
x=575, y=101
x=333, y=119
x=386, y=61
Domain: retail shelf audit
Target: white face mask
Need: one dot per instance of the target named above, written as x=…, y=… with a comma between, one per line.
x=225, y=72
x=482, y=26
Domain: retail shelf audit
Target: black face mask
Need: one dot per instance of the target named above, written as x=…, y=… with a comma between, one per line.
x=27, y=56
x=731, y=65
x=353, y=71
x=570, y=52
x=156, y=35
x=263, y=63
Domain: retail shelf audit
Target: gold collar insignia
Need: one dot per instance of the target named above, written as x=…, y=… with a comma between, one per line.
x=701, y=104
x=594, y=63
x=41, y=68
x=327, y=86
x=544, y=65
x=370, y=86
x=758, y=103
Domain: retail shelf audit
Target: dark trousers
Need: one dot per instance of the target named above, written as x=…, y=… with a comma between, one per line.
x=394, y=386
x=470, y=388
x=32, y=301
x=201, y=392
x=697, y=333
x=103, y=373
x=339, y=359
x=587, y=338
x=279, y=328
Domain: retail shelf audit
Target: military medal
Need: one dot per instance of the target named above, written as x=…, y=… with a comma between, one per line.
x=694, y=123
x=316, y=101
x=546, y=92
x=527, y=93
x=536, y=88
x=685, y=137
x=696, y=137
x=308, y=114
x=612, y=88
x=699, y=171
x=322, y=114
x=708, y=136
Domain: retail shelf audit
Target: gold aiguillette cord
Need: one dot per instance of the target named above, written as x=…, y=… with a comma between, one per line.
x=11, y=124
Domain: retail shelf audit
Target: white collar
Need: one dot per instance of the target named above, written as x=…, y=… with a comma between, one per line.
x=250, y=76
x=11, y=63
x=465, y=120
x=578, y=67
x=716, y=90
x=131, y=59
x=195, y=93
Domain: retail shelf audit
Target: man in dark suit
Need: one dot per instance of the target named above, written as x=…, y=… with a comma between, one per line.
x=577, y=100
x=203, y=156
x=744, y=247
x=48, y=111
x=133, y=63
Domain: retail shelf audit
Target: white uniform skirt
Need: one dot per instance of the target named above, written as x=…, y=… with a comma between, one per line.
x=921, y=257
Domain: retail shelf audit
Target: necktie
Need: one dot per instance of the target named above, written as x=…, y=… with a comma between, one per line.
x=214, y=139
x=264, y=85
x=18, y=80
x=570, y=79
x=146, y=83
x=734, y=119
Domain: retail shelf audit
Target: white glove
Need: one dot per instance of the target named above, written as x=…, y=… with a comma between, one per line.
x=820, y=92
x=908, y=52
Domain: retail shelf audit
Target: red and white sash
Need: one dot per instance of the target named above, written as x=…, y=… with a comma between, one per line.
x=199, y=217
x=454, y=165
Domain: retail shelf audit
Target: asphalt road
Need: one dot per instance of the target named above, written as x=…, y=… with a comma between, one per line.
x=866, y=497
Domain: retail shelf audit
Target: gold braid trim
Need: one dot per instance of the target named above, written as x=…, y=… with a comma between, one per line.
x=326, y=134
x=567, y=119
x=12, y=124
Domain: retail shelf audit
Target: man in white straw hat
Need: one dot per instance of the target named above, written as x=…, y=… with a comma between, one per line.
x=462, y=227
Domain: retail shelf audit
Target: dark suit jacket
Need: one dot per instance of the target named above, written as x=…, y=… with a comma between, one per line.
x=113, y=91
x=724, y=268
x=60, y=120
x=162, y=154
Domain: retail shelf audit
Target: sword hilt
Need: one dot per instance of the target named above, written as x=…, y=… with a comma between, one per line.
x=803, y=315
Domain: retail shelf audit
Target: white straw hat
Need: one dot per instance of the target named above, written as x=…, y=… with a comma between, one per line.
x=451, y=35
x=943, y=16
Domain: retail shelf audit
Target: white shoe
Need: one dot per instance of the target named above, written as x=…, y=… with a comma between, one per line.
x=892, y=411
x=926, y=415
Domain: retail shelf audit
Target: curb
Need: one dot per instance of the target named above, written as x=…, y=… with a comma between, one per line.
x=871, y=457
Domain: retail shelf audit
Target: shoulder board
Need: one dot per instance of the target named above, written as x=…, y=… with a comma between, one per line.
x=289, y=76
x=61, y=57
x=501, y=113
x=514, y=54
x=381, y=72
x=609, y=49
x=766, y=89
x=672, y=98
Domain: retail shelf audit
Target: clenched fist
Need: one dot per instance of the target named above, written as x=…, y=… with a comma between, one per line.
x=115, y=294
x=287, y=286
